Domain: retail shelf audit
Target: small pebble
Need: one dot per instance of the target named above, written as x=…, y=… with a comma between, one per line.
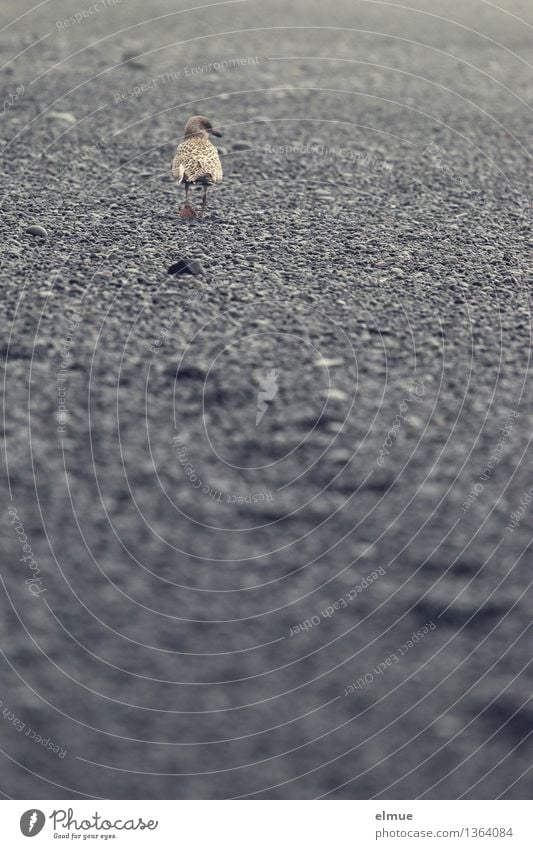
x=187, y=266
x=335, y=394
x=67, y=117
x=132, y=58
x=37, y=230
x=334, y=427
x=242, y=145
x=341, y=455
x=325, y=362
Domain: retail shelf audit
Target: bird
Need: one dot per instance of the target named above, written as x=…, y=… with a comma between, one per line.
x=196, y=161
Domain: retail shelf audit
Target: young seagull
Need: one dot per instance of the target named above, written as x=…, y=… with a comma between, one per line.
x=196, y=161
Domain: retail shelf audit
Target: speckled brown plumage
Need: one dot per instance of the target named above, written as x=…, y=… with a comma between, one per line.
x=197, y=161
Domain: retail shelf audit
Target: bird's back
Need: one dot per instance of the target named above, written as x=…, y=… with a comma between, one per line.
x=197, y=160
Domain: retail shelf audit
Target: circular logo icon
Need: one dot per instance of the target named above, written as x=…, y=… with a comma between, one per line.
x=32, y=822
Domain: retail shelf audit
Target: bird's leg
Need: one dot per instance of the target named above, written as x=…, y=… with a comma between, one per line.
x=187, y=211
x=204, y=201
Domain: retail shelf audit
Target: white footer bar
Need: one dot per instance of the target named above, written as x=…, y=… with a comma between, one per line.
x=268, y=824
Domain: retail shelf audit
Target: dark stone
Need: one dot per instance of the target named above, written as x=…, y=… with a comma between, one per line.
x=187, y=266
x=131, y=58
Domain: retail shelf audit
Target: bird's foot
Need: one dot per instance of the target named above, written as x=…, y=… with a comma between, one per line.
x=187, y=211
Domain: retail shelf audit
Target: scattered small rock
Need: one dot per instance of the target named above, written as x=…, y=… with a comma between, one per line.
x=67, y=117
x=325, y=362
x=132, y=59
x=341, y=455
x=335, y=394
x=37, y=230
x=242, y=145
x=188, y=371
x=334, y=427
x=187, y=266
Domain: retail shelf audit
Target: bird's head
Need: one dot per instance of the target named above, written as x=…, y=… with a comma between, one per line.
x=199, y=125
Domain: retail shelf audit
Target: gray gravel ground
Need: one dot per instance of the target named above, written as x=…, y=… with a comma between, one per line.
x=152, y=632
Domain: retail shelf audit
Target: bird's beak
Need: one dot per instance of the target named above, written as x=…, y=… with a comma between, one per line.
x=216, y=133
